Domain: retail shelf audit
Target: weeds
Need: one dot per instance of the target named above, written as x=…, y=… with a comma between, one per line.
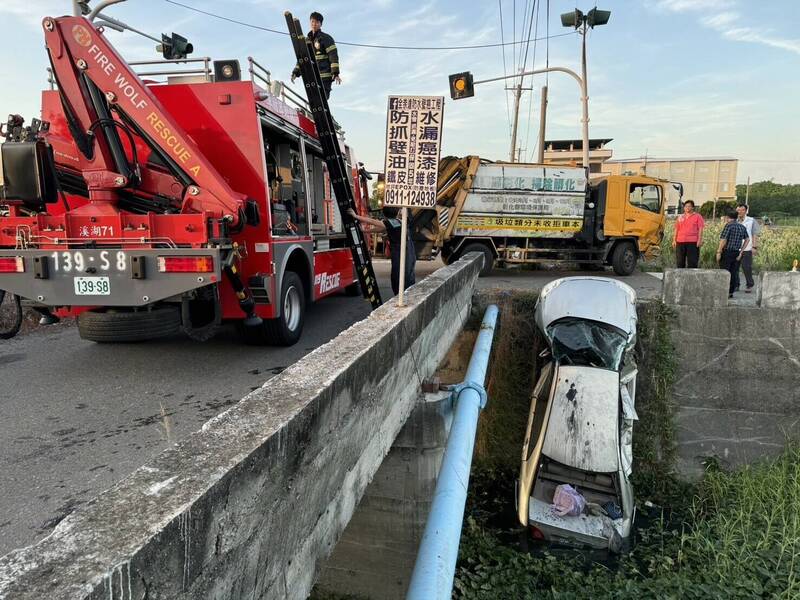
x=501, y=429
x=778, y=247
x=740, y=540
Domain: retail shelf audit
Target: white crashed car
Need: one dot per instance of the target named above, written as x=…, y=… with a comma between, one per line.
x=581, y=417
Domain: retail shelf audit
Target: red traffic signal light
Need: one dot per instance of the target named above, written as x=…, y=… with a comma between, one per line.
x=461, y=86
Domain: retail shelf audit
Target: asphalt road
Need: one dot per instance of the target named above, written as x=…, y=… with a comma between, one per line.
x=79, y=416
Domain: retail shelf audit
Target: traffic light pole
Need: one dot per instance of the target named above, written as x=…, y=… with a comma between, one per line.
x=584, y=96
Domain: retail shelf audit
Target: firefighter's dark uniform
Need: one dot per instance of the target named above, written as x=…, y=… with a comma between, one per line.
x=327, y=59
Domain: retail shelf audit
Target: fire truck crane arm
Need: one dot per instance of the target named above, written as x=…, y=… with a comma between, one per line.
x=93, y=81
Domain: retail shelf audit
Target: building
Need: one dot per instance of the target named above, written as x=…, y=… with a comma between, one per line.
x=704, y=179
x=569, y=153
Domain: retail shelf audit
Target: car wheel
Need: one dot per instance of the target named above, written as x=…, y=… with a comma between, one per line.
x=488, y=256
x=129, y=326
x=624, y=258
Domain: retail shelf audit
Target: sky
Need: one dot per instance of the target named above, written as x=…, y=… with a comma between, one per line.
x=667, y=78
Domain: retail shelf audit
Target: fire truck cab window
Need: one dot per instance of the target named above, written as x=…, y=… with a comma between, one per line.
x=288, y=199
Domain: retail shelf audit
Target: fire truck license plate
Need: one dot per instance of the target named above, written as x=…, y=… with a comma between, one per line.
x=92, y=286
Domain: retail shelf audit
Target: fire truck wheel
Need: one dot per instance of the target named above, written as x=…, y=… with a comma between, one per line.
x=286, y=329
x=488, y=256
x=130, y=326
x=624, y=258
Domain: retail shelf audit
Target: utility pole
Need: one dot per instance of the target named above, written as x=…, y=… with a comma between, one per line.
x=517, y=94
x=542, y=123
x=512, y=153
x=747, y=192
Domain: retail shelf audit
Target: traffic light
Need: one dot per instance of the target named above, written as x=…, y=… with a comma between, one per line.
x=461, y=86
x=174, y=47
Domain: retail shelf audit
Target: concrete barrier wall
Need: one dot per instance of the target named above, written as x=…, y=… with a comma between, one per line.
x=738, y=382
x=376, y=554
x=250, y=506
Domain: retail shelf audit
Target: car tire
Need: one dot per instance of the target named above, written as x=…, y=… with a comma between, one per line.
x=624, y=258
x=287, y=328
x=488, y=256
x=129, y=326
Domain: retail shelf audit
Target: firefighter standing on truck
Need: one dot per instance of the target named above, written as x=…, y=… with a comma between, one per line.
x=325, y=53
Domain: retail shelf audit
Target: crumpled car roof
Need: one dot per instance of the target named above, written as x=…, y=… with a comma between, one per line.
x=593, y=298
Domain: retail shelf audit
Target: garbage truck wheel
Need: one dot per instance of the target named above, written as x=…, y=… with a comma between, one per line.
x=488, y=256
x=624, y=258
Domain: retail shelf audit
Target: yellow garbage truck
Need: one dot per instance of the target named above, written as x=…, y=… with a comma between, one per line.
x=531, y=213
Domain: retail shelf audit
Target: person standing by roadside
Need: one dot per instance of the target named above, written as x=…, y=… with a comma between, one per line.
x=732, y=240
x=750, y=248
x=392, y=227
x=688, y=237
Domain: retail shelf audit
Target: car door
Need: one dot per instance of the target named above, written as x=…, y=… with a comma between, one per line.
x=644, y=212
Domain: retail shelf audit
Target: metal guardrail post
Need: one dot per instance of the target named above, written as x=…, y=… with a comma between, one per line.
x=435, y=566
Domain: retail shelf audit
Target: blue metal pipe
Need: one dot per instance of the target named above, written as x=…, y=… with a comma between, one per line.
x=435, y=567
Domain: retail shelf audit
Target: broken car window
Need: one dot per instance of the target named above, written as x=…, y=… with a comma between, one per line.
x=587, y=343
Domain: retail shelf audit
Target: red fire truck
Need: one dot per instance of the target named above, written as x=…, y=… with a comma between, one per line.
x=145, y=206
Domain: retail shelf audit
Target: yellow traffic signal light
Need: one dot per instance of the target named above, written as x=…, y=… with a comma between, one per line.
x=461, y=86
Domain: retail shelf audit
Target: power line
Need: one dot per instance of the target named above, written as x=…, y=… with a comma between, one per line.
x=505, y=70
x=522, y=32
x=356, y=44
x=536, y=5
x=514, y=30
x=524, y=59
x=547, y=36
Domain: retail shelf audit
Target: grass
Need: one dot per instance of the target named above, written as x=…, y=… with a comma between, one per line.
x=741, y=539
x=501, y=429
x=778, y=247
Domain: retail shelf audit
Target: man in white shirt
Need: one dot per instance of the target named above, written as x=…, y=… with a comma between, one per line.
x=751, y=246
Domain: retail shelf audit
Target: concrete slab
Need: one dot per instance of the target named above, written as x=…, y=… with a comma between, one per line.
x=737, y=386
x=779, y=290
x=696, y=287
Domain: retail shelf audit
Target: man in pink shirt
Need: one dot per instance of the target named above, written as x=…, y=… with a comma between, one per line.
x=688, y=237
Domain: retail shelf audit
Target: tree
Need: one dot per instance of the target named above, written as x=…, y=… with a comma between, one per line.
x=707, y=209
x=768, y=198
x=376, y=199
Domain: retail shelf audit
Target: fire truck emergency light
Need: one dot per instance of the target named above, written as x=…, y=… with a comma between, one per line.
x=461, y=85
